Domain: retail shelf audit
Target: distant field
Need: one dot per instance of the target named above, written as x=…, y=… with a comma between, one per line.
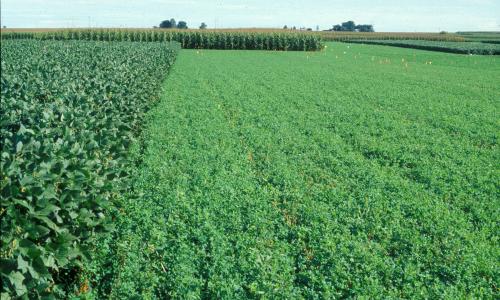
x=442, y=46
x=346, y=36
x=359, y=171
x=326, y=35
x=487, y=36
x=142, y=29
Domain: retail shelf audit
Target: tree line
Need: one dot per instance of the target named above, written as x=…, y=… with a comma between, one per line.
x=179, y=25
x=351, y=26
x=345, y=26
x=172, y=24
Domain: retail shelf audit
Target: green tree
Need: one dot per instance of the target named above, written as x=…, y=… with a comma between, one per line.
x=166, y=24
x=203, y=25
x=182, y=25
x=365, y=28
x=337, y=28
x=348, y=26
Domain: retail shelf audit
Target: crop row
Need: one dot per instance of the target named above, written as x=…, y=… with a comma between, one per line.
x=349, y=36
x=70, y=112
x=442, y=46
x=481, y=36
x=283, y=41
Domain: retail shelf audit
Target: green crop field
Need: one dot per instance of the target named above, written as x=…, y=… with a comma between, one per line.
x=358, y=171
x=442, y=46
x=226, y=40
x=487, y=37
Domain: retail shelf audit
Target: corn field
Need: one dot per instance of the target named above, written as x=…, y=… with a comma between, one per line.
x=280, y=41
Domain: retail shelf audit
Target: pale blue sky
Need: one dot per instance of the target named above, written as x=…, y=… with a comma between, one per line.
x=386, y=15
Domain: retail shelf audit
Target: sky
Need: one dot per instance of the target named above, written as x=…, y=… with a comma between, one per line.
x=385, y=15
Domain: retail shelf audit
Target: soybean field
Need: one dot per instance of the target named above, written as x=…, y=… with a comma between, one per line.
x=70, y=113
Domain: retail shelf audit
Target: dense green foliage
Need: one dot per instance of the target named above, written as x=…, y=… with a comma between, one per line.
x=442, y=46
x=357, y=172
x=70, y=111
x=167, y=24
x=189, y=39
x=352, y=27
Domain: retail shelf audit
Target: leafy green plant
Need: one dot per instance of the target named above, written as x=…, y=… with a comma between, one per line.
x=70, y=110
